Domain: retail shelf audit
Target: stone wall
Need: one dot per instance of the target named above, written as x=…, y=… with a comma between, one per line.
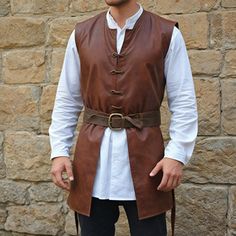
x=33, y=36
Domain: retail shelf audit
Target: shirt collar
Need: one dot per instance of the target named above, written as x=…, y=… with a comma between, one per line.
x=130, y=22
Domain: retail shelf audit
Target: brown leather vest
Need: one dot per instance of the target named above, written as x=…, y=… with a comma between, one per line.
x=130, y=82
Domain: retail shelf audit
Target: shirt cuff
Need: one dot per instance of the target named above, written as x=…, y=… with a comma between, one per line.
x=176, y=152
x=59, y=154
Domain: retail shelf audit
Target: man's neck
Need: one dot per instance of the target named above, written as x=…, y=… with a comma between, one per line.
x=123, y=12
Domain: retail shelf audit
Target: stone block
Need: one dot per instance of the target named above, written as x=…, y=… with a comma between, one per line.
x=207, y=62
x=24, y=66
x=20, y=32
x=1, y=141
x=216, y=32
x=19, y=107
x=57, y=59
x=14, y=192
x=223, y=32
x=2, y=167
x=165, y=119
x=4, y=7
x=213, y=161
x=229, y=106
x=208, y=104
x=122, y=226
x=229, y=68
x=46, y=106
x=70, y=227
x=149, y=5
x=39, y=7
x=195, y=29
x=184, y=6
x=27, y=156
x=3, y=217
x=60, y=30
x=11, y=233
x=38, y=219
x=201, y=210
x=2, y=163
x=87, y=6
x=45, y=192
x=229, y=32
x=232, y=208
x=228, y=3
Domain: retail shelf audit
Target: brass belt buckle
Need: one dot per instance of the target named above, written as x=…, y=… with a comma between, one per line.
x=110, y=121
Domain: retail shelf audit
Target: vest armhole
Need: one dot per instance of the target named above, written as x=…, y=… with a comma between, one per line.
x=168, y=34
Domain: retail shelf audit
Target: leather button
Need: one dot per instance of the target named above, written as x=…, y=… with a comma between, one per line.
x=115, y=54
x=114, y=72
x=116, y=107
x=116, y=92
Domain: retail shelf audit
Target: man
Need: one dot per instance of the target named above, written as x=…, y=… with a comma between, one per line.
x=116, y=66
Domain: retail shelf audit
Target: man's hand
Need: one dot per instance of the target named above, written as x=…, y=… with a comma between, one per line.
x=59, y=165
x=172, y=173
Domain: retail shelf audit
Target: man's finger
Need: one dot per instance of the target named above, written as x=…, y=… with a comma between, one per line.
x=175, y=182
x=164, y=181
x=69, y=172
x=59, y=181
x=156, y=169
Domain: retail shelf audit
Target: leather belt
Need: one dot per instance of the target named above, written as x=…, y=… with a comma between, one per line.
x=118, y=121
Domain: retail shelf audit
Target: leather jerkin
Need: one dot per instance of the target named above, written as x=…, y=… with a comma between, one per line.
x=130, y=82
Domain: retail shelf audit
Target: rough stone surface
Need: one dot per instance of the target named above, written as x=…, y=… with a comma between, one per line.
x=27, y=156
x=219, y=154
x=229, y=68
x=38, y=219
x=229, y=32
x=39, y=7
x=2, y=163
x=45, y=192
x=12, y=191
x=46, y=106
x=228, y=3
x=56, y=65
x=223, y=29
x=232, y=208
x=87, y=6
x=201, y=210
x=216, y=30
x=70, y=227
x=3, y=217
x=4, y=7
x=165, y=119
x=184, y=6
x=17, y=32
x=229, y=106
x=195, y=37
x=19, y=107
x=206, y=62
x=60, y=30
x=24, y=66
x=208, y=103
x=122, y=224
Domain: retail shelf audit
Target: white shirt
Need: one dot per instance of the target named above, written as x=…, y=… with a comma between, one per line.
x=113, y=177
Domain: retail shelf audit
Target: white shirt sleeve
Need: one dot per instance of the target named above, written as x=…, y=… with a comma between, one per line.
x=68, y=103
x=181, y=101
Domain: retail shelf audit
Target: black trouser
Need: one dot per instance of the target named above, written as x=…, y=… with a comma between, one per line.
x=105, y=213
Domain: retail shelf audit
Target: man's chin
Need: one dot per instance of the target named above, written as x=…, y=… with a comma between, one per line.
x=116, y=3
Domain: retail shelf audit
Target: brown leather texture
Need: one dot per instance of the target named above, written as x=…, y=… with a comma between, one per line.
x=130, y=82
x=117, y=121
